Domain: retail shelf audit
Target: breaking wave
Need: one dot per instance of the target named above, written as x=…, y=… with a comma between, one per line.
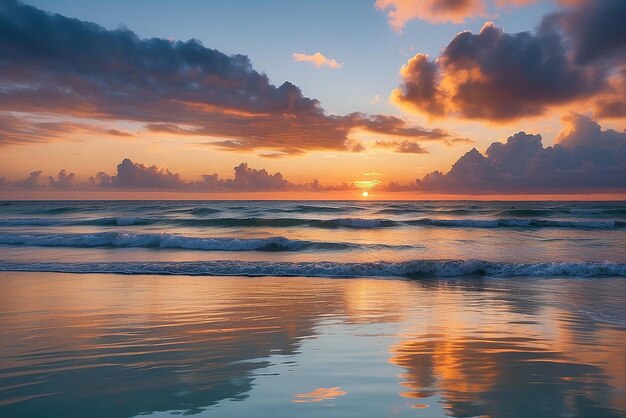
x=409, y=269
x=165, y=240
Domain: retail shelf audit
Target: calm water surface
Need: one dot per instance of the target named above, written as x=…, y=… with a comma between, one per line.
x=122, y=346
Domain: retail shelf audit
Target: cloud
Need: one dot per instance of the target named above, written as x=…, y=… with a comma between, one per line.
x=246, y=179
x=495, y=76
x=613, y=105
x=51, y=64
x=399, y=12
x=139, y=176
x=35, y=180
x=275, y=135
x=574, y=55
x=131, y=175
x=595, y=28
x=64, y=180
x=584, y=159
x=318, y=59
x=30, y=182
x=404, y=147
x=21, y=130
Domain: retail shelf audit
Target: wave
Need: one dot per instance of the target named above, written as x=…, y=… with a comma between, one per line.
x=587, y=211
x=121, y=221
x=355, y=223
x=316, y=209
x=518, y=223
x=202, y=211
x=410, y=269
x=527, y=213
x=165, y=240
x=214, y=222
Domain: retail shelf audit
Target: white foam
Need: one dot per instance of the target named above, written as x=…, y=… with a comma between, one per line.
x=414, y=269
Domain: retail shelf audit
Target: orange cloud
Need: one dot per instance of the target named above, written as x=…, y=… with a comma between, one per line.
x=576, y=55
x=496, y=76
x=399, y=12
x=318, y=59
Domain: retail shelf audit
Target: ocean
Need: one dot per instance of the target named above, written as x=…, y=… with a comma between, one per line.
x=302, y=308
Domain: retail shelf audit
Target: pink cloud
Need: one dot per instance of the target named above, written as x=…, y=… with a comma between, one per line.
x=318, y=59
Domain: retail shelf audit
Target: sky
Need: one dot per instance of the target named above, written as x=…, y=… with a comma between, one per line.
x=294, y=99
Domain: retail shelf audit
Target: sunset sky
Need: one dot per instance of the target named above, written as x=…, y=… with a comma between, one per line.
x=294, y=99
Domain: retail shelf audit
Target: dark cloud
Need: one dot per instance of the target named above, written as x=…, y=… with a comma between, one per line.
x=595, y=28
x=499, y=76
x=585, y=159
x=54, y=64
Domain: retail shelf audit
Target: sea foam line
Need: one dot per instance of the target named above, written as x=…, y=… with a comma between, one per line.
x=167, y=240
x=408, y=269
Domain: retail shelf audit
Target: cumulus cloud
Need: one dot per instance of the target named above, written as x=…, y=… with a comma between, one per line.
x=584, y=159
x=318, y=59
x=498, y=76
x=137, y=175
x=64, y=180
x=53, y=64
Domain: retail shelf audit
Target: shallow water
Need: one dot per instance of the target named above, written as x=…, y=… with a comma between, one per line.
x=121, y=346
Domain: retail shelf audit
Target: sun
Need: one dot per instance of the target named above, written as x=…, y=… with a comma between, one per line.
x=365, y=193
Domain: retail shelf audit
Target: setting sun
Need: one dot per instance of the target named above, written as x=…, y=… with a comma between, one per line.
x=365, y=194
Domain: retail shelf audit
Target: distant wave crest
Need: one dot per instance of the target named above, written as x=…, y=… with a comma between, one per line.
x=353, y=223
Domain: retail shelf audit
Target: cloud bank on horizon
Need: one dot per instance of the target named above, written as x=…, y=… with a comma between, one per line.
x=585, y=159
x=138, y=176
